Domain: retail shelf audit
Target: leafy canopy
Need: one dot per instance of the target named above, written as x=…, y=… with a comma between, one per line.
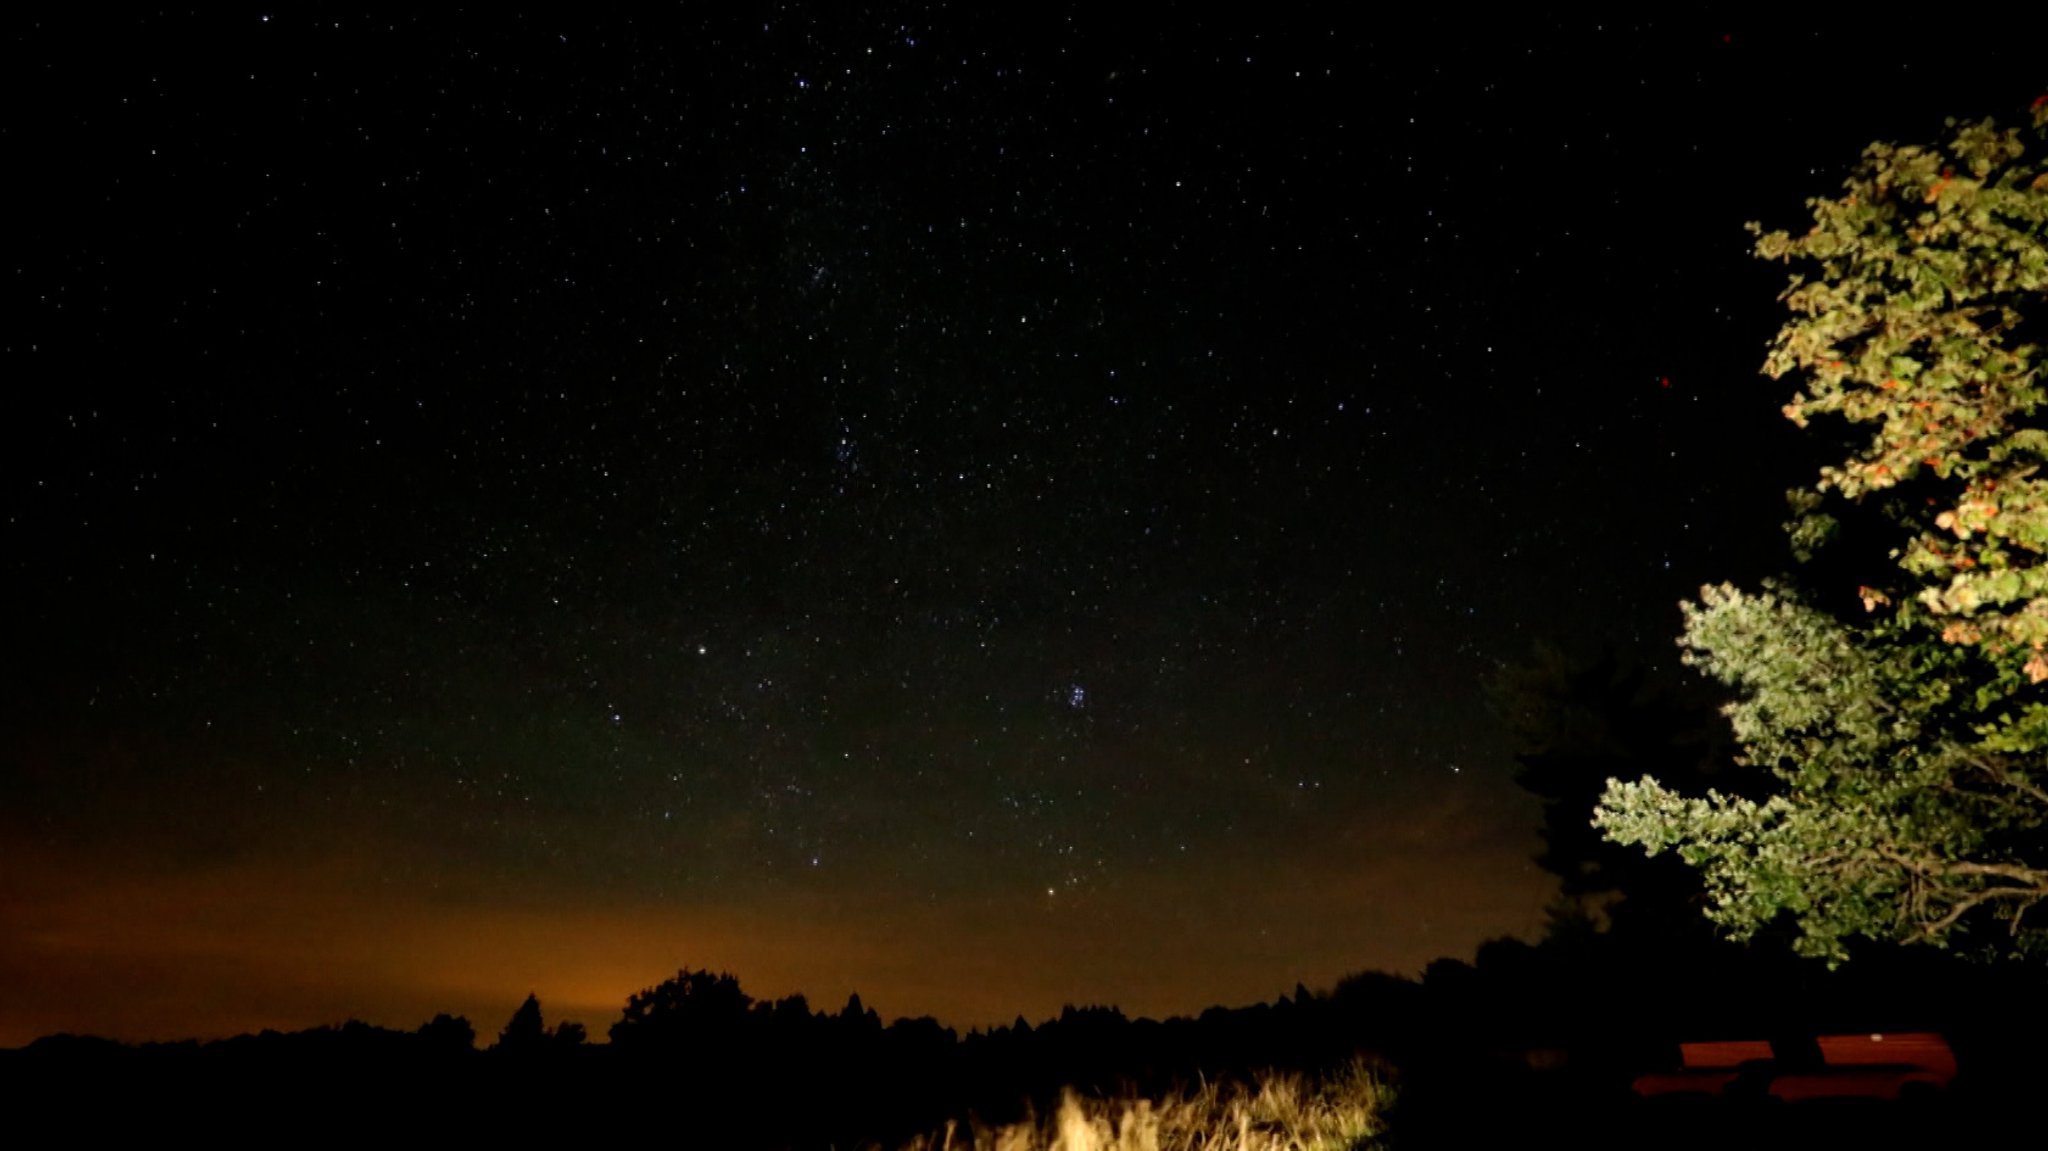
x=1908, y=743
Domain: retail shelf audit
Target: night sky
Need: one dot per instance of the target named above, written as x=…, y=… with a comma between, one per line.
x=984, y=512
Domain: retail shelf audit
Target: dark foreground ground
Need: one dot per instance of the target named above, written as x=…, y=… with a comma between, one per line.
x=1453, y=1102
x=1519, y=1111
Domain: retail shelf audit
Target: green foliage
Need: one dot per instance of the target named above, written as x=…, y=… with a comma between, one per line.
x=1932, y=281
x=1908, y=746
x=1895, y=819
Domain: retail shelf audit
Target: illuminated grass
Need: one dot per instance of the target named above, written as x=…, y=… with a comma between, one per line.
x=1276, y=1112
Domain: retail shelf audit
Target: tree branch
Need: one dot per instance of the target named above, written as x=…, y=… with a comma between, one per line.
x=1999, y=776
x=1965, y=906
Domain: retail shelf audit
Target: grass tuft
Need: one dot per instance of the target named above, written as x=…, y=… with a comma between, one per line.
x=1273, y=1112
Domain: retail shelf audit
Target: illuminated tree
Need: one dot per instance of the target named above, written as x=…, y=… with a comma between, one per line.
x=1908, y=742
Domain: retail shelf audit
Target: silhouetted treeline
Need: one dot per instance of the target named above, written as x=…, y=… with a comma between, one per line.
x=1523, y=1034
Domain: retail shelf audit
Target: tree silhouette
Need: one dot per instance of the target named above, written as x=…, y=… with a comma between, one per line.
x=524, y=1032
x=695, y=1006
x=859, y=1017
x=445, y=1032
x=1579, y=721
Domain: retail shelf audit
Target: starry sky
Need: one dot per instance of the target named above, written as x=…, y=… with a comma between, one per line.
x=985, y=511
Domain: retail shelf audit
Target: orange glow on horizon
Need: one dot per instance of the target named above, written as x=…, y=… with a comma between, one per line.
x=140, y=951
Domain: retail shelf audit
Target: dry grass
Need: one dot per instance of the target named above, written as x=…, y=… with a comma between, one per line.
x=1343, y=1112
